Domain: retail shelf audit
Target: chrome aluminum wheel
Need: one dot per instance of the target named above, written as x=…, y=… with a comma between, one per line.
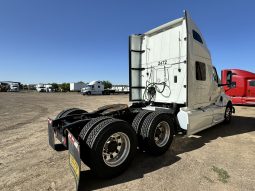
x=162, y=134
x=116, y=149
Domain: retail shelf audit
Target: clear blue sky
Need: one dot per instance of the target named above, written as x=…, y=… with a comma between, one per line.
x=73, y=40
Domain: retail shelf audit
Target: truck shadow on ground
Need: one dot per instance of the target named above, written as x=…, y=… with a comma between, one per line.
x=145, y=163
x=239, y=125
x=60, y=147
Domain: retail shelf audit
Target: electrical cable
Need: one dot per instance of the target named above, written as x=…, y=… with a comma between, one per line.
x=152, y=88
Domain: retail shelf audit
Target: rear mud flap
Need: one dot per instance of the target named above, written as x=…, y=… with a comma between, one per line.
x=51, y=135
x=74, y=158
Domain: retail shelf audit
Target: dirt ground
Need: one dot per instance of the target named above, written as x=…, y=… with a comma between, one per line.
x=219, y=158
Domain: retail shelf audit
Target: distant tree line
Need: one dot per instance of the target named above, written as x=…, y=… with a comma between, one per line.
x=64, y=87
x=107, y=84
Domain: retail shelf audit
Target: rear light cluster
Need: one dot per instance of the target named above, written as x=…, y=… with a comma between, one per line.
x=64, y=140
x=49, y=121
x=73, y=141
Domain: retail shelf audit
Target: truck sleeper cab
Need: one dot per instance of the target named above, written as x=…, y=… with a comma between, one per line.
x=173, y=88
x=171, y=65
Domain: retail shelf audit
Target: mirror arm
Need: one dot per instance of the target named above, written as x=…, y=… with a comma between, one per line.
x=219, y=85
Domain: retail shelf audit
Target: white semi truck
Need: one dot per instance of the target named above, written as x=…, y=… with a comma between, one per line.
x=14, y=87
x=96, y=88
x=44, y=88
x=40, y=88
x=48, y=87
x=173, y=88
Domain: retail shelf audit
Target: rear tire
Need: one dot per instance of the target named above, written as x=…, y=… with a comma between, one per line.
x=85, y=154
x=157, y=132
x=70, y=111
x=63, y=112
x=137, y=125
x=228, y=114
x=90, y=125
x=113, y=146
x=138, y=120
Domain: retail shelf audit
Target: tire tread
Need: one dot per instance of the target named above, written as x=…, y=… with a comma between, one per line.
x=138, y=120
x=89, y=126
x=95, y=132
x=146, y=124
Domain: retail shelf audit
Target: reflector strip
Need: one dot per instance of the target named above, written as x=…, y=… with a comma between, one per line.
x=74, y=142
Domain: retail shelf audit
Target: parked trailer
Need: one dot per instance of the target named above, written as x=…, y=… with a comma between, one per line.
x=77, y=86
x=243, y=92
x=121, y=89
x=173, y=88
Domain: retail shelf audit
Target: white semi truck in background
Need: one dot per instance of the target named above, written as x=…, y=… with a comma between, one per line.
x=40, y=88
x=14, y=87
x=44, y=88
x=96, y=88
x=173, y=88
x=48, y=88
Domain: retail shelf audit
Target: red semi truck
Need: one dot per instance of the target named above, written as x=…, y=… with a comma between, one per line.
x=243, y=86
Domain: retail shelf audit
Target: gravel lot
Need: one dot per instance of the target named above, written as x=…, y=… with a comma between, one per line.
x=219, y=158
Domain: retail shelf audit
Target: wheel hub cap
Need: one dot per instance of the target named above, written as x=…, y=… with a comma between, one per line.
x=162, y=134
x=116, y=149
